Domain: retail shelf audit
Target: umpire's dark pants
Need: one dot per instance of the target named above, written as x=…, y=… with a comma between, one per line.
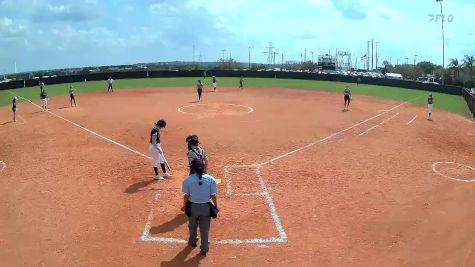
x=200, y=216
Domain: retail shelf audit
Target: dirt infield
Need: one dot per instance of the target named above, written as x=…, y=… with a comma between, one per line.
x=303, y=183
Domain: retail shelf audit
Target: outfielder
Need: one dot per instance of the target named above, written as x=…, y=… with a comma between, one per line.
x=241, y=82
x=42, y=85
x=44, y=100
x=430, y=104
x=199, y=89
x=109, y=83
x=156, y=150
x=347, y=94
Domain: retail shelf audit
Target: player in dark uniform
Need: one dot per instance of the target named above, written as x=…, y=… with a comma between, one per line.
x=430, y=104
x=195, y=151
x=199, y=89
x=241, y=82
x=14, y=101
x=347, y=98
x=72, y=91
x=156, y=150
x=214, y=83
x=44, y=100
x=42, y=85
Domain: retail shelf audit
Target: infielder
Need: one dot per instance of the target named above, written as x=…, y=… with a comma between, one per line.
x=14, y=102
x=156, y=150
x=109, y=83
x=199, y=89
x=72, y=91
x=347, y=94
x=241, y=82
x=195, y=151
x=214, y=83
x=44, y=100
x=430, y=104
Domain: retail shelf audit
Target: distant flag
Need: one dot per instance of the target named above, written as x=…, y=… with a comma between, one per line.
x=364, y=56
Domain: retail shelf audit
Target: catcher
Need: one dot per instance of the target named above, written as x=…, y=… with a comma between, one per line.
x=195, y=151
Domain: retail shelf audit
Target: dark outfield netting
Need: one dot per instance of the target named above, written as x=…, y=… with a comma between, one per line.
x=470, y=98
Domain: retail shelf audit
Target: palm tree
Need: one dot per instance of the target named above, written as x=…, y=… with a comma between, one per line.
x=455, y=67
x=468, y=62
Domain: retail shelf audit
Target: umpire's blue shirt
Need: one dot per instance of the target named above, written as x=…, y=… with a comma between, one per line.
x=199, y=193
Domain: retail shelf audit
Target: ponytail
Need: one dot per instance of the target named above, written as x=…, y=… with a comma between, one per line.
x=200, y=176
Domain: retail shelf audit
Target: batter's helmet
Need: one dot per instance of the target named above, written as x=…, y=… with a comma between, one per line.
x=161, y=123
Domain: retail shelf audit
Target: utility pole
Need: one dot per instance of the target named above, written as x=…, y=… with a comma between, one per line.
x=305, y=55
x=407, y=60
x=443, y=43
x=377, y=59
x=282, y=62
x=312, y=56
x=367, y=57
x=415, y=60
x=372, y=54
x=249, y=57
x=300, y=58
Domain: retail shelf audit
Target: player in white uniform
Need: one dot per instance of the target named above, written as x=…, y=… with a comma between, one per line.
x=156, y=150
x=110, y=81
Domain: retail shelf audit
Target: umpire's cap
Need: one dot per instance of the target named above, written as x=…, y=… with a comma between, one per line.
x=161, y=123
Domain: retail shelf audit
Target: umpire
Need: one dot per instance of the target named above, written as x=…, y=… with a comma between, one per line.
x=199, y=189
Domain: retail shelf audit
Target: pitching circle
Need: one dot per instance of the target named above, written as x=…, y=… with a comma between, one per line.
x=434, y=168
x=183, y=108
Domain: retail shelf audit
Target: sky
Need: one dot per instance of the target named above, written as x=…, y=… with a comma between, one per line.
x=50, y=34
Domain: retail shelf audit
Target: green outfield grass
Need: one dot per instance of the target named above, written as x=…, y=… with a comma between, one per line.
x=451, y=103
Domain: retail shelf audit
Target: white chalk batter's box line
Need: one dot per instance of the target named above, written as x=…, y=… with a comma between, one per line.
x=281, y=238
x=172, y=240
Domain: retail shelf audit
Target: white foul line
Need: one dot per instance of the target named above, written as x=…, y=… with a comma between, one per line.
x=87, y=130
x=329, y=137
x=379, y=124
x=412, y=120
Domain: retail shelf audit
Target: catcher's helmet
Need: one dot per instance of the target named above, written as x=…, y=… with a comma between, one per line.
x=161, y=123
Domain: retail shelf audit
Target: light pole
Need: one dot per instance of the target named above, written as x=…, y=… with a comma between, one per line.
x=443, y=42
x=377, y=55
x=415, y=60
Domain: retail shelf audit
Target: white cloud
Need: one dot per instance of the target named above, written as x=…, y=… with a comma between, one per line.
x=161, y=8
